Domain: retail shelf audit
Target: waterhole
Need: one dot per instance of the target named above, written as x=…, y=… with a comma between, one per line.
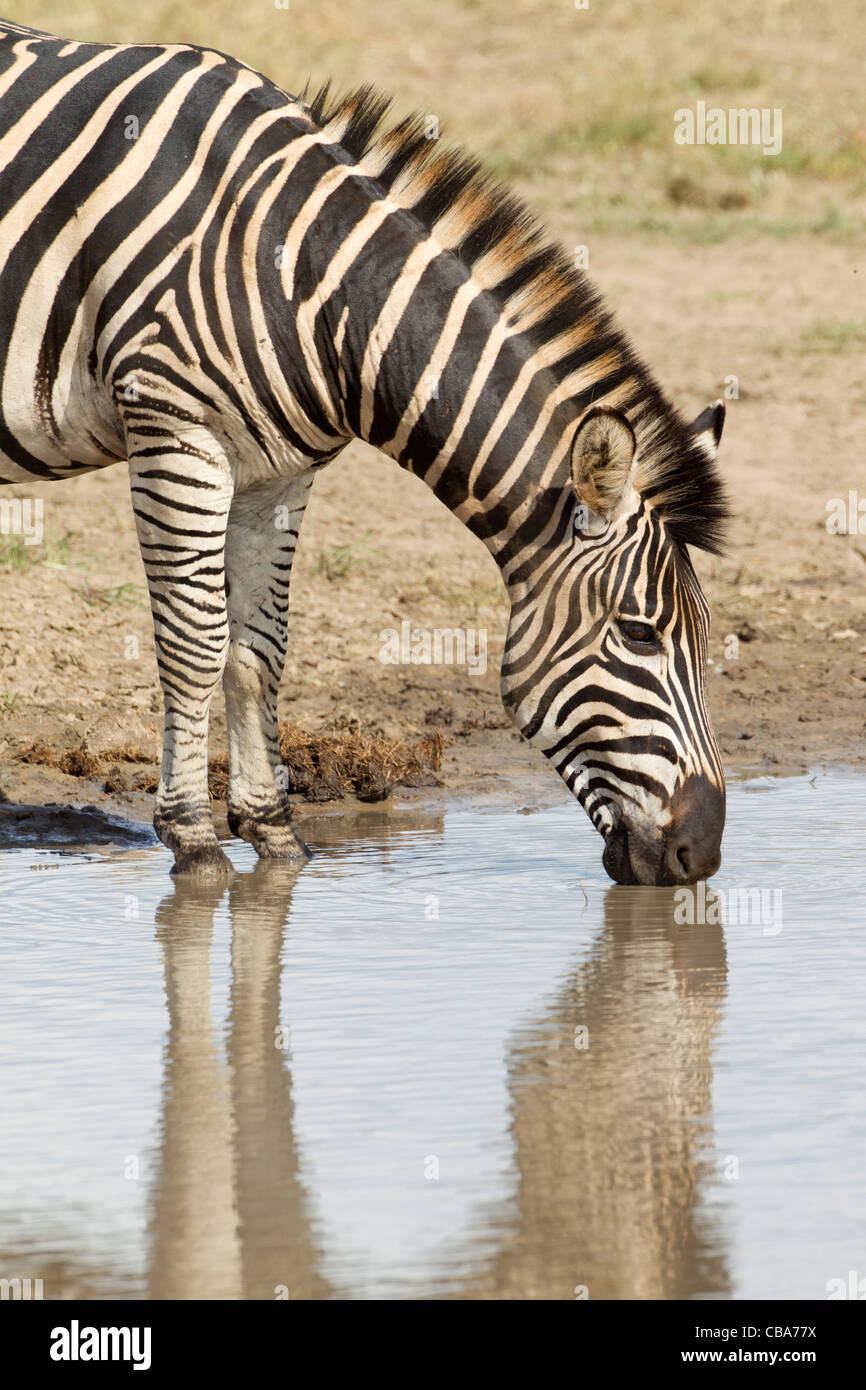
x=446, y=1058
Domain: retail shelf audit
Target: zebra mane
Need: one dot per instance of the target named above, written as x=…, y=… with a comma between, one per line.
x=507, y=249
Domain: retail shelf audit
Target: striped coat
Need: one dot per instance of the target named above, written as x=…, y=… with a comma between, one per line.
x=223, y=285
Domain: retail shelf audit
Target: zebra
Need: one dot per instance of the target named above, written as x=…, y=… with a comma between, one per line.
x=224, y=284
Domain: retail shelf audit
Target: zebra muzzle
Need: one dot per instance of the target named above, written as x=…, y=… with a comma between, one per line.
x=616, y=859
x=688, y=850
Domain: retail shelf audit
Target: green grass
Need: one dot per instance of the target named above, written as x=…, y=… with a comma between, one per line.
x=722, y=81
x=711, y=228
x=107, y=597
x=833, y=335
x=336, y=561
x=576, y=107
x=15, y=554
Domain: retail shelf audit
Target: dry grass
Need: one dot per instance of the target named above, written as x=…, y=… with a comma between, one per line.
x=323, y=767
x=577, y=106
x=367, y=766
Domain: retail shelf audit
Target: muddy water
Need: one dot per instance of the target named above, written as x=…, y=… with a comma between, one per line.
x=445, y=1059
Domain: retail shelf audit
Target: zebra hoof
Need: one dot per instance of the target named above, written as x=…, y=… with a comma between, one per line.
x=204, y=860
x=283, y=845
x=270, y=840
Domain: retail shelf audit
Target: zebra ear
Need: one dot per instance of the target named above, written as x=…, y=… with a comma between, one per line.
x=602, y=459
x=707, y=428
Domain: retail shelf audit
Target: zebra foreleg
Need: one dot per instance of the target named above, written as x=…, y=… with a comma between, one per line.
x=260, y=545
x=181, y=495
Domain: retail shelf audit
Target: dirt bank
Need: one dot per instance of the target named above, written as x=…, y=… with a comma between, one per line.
x=376, y=550
x=789, y=691
x=704, y=255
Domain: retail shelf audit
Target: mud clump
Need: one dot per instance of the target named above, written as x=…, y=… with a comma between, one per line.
x=115, y=782
x=319, y=767
x=39, y=752
x=366, y=766
x=327, y=767
x=85, y=762
x=80, y=762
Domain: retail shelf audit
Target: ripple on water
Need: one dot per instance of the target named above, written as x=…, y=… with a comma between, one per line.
x=444, y=1058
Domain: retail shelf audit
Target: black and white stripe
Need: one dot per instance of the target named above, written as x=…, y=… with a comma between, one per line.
x=224, y=284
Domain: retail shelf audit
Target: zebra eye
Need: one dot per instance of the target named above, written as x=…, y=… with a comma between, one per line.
x=641, y=634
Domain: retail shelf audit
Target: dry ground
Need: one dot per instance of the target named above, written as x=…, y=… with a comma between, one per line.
x=721, y=263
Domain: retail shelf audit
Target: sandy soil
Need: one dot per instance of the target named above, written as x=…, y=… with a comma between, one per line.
x=707, y=256
x=378, y=549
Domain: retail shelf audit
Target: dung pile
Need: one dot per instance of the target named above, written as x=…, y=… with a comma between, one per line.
x=319, y=767
x=326, y=767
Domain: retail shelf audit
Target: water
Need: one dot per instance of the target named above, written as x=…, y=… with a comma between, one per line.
x=444, y=1059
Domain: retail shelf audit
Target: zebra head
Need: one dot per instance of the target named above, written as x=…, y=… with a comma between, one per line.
x=605, y=657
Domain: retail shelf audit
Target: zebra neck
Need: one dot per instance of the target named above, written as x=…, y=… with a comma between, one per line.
x=433, y=374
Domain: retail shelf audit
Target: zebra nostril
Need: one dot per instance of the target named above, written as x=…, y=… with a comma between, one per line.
x=694, y=840
x=679, y=859
x=688, y=858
